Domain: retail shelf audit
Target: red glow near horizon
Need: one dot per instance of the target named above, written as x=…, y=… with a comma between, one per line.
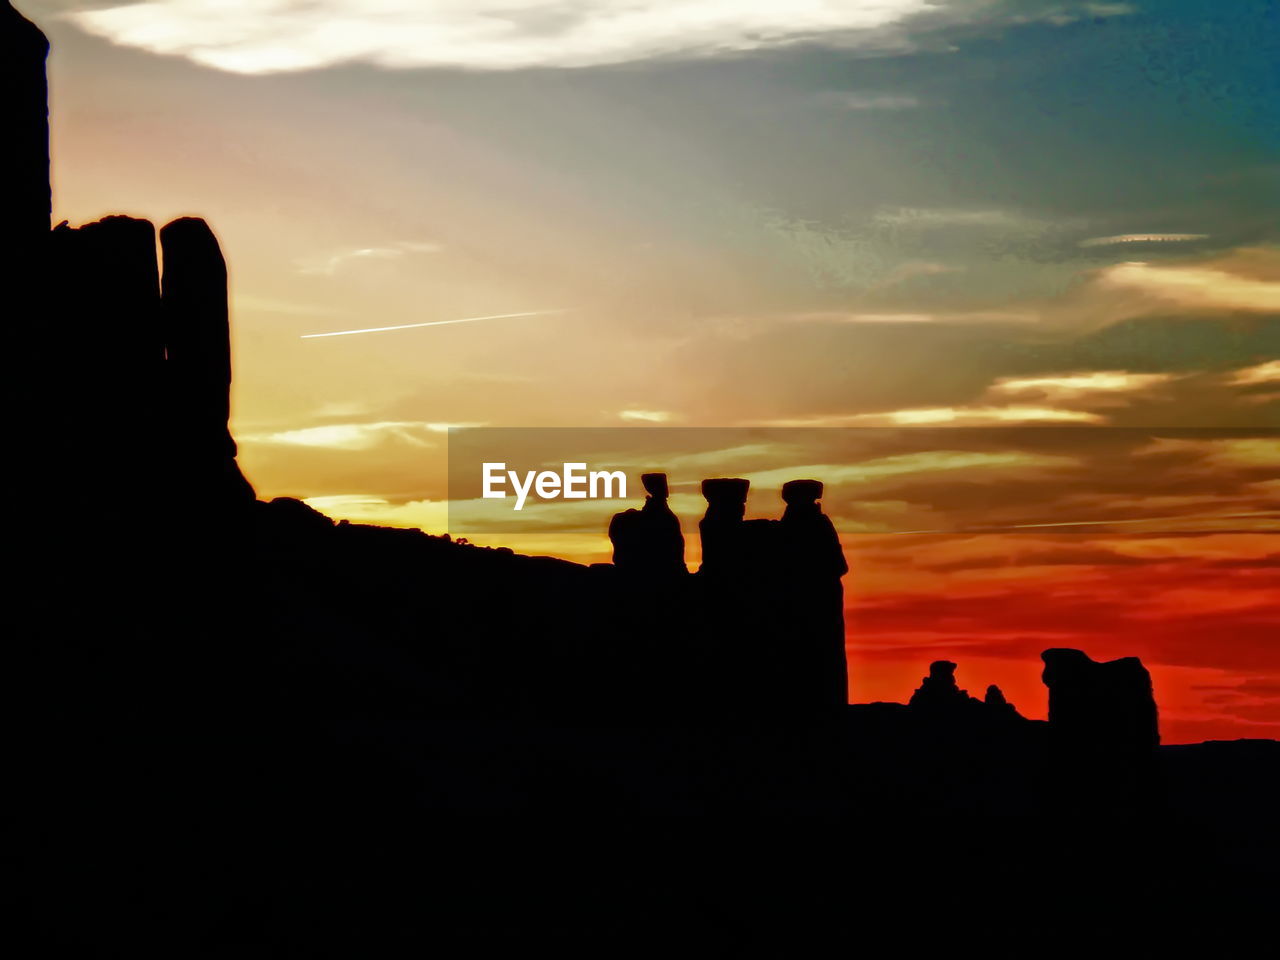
x=1205, y=626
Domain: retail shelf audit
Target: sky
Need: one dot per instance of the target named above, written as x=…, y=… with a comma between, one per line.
x=895, y=215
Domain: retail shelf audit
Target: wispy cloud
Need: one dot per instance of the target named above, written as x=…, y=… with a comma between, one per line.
x=1228, y=452
x=1064, y=16
x=907, y=464
x=269, y=36
x=356, y=436
x=1268, y=372
x=331, y=264
x=647, y=416
x=944, y=416
x=1074, y=385
x=1142, y=238
x=1193, y=286
x=956, y=316
x=868, y=100
x=952, y=217
x=282, y=307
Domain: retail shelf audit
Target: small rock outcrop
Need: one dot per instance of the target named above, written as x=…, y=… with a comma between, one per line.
x=939, y=691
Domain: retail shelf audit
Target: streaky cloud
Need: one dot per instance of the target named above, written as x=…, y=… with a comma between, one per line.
x=1193, y=286
x=1143, y=238
x=647, y=416
x=943, y=416
x=356, y=436
x=1268, y=372
x=1071, y=385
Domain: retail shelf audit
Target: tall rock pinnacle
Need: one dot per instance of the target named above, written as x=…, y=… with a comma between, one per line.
x=26, y=125
x=197, y=333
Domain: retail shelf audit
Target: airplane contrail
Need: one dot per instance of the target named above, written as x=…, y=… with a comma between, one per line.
x=429, y=323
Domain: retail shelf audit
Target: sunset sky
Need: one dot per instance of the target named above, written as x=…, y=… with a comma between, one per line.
x=915, y=217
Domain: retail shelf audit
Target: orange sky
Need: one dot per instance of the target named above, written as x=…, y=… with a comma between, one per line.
x=1199, y=611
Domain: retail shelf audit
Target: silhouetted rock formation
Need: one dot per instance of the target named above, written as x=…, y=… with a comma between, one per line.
x=774, y=587
x=154, y=365
x=996, y=703
x=1104, y=731
x=26, y=132
x=300, y=517
x=108, y=305
x=648, y=541
x=939, y=700
x=1100, y=705
x=939, y=691
x=809, y=539
x=197, y=338
x=811, y=564
x=209, y=676
x=721, y=528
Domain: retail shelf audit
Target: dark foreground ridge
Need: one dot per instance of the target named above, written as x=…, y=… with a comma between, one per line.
x=226, y=698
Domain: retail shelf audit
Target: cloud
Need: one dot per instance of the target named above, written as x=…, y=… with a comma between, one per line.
x=1225, y=452
x=1069, y=555
x=356, y=436
x=242, y=301
x=856, y=100
x=1192, y=287
x=715, y=458
x=927, y=217
x=332, y=263
x=1268, y=372
x=647, y=416
x=1081, y=303
x=1261, y=687
x=955, y=316
x=269, y=36
x=909, y=464
x=1143, y=238
x=950, y=416
x=1072, y=386
x=1063, y=17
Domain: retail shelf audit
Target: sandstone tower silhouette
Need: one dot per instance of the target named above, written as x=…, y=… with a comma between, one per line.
x=27, y=201
x=142, y=348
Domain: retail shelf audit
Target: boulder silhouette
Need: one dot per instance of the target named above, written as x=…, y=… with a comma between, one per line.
x=1106, y=705
x=1103, y=734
